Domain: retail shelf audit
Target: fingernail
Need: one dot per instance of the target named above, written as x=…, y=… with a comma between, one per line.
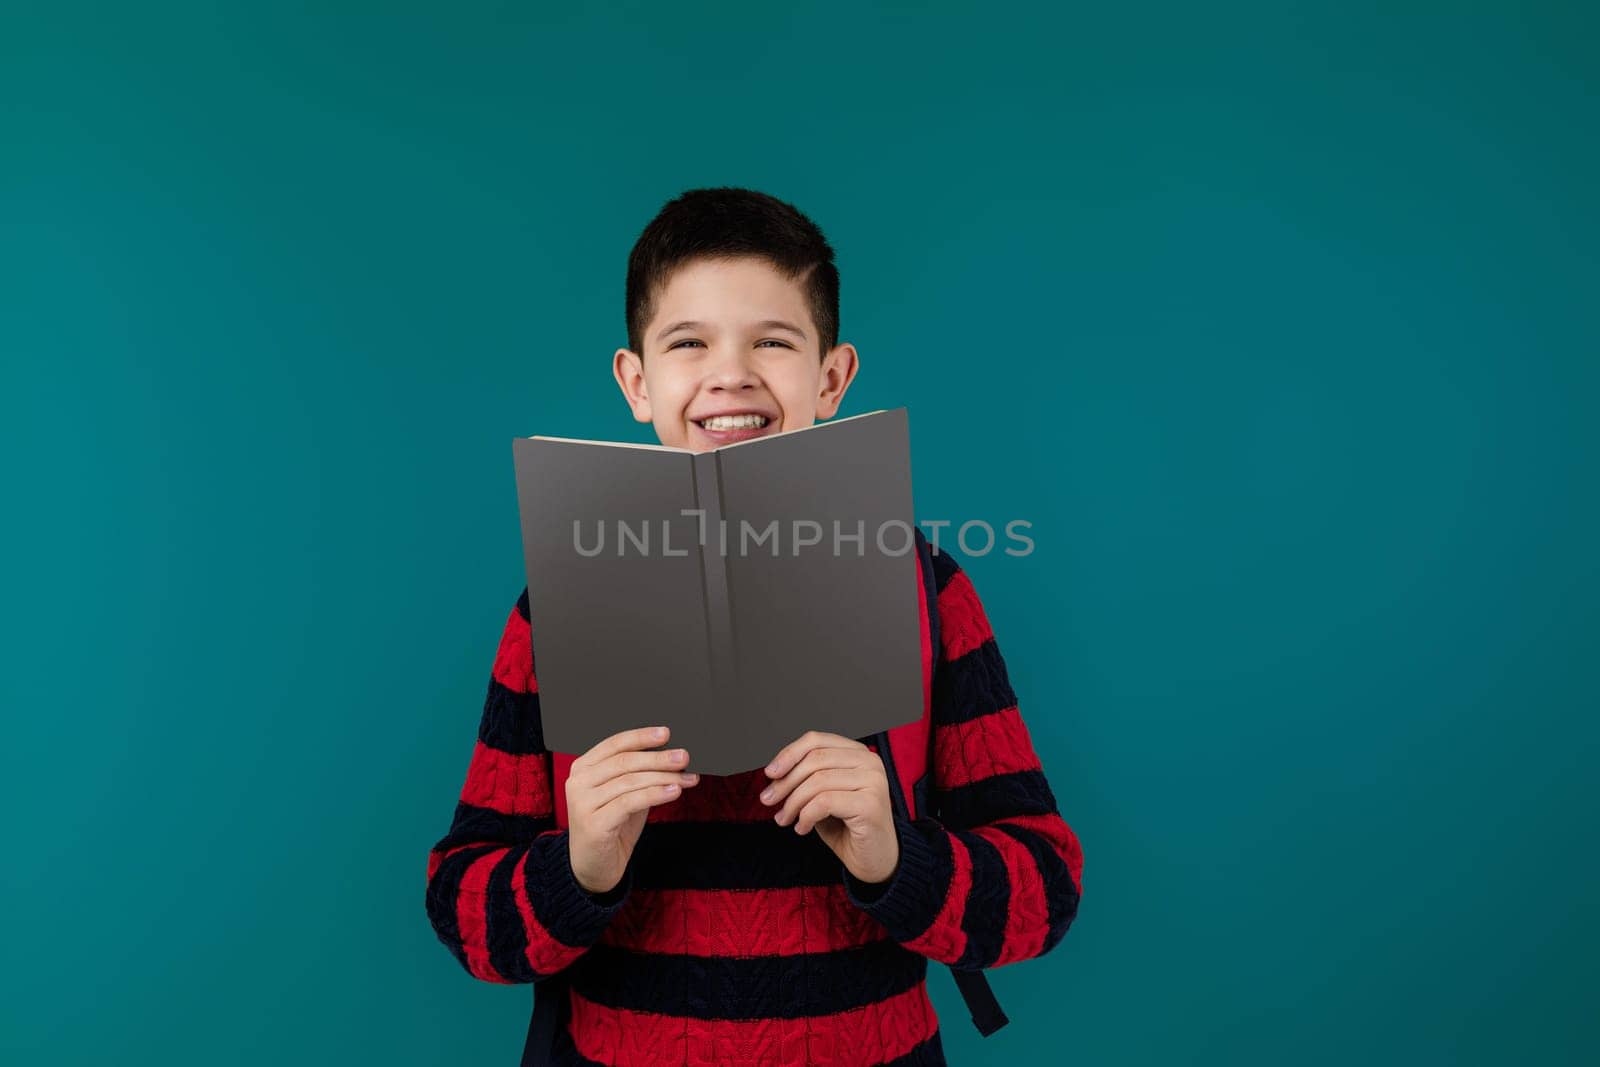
x=659, y=732
x=772, y=768
x=766, y=796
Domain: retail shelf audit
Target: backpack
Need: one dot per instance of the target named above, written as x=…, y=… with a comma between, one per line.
x=907, y=754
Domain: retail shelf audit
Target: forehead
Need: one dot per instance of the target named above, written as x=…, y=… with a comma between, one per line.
x=730, y=291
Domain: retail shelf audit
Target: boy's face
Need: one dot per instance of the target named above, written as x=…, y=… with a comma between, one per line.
x=750, y=348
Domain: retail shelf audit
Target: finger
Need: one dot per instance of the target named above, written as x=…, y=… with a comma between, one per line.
x=645, y=788
x=839, y=803
x=792, y=753
x=672, y=759
x=610, y=790
x=815, y=760
x=643, y=737
x=820, y=782
x=614, y=812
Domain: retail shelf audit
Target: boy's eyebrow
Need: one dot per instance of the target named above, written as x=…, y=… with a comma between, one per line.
x=765, y=324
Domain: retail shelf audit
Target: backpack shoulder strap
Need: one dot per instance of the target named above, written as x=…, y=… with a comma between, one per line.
x=987, y=1014
x=551, y=1006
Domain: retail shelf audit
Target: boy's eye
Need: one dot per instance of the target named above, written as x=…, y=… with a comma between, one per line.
x=769, y=341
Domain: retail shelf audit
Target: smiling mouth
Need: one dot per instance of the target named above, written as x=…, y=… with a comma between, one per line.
x=733, y=422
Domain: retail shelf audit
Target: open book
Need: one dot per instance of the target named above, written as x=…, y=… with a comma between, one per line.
x=741, y=596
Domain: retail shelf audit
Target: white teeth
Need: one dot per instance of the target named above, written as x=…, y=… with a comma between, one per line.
x=734, y=422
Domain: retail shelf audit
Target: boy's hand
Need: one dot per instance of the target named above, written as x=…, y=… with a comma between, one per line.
x=610, y=791
x=839, y=786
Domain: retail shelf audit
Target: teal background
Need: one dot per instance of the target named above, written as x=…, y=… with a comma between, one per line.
x=1278, y=322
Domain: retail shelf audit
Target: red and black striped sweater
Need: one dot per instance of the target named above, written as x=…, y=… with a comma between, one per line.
x=732, y=940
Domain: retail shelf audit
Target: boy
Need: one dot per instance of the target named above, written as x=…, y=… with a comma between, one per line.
x=730, y=933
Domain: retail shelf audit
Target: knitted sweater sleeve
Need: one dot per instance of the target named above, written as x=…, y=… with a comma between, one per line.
x=501, y=894
x=996, y=875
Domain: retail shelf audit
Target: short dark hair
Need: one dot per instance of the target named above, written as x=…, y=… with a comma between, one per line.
x=725, y=222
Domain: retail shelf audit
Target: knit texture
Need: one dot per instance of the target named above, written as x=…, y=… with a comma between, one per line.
x=734, y=941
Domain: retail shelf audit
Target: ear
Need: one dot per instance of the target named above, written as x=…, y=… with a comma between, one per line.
x=838, y=371
x=628, y=367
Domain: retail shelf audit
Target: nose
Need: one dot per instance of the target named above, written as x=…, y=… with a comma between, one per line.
x=731, y=369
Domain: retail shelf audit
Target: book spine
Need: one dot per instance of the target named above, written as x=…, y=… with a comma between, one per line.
x=714, y=572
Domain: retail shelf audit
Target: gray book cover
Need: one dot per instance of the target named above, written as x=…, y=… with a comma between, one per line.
x=741, y=596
